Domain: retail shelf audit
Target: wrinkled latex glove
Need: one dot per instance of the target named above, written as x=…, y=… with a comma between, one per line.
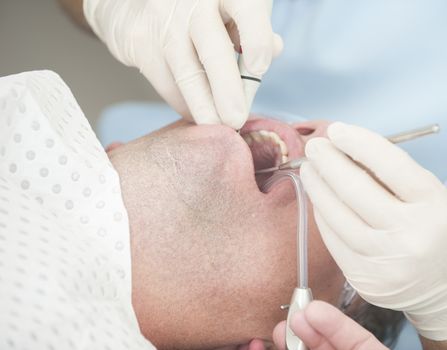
x=387, y=231
x=322, y=326
x=185, y=48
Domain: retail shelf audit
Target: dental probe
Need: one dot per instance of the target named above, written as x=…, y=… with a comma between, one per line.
x=414, y=134
x=290, y=165
x=397, y=138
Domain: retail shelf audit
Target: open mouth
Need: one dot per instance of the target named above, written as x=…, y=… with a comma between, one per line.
x=271, y=143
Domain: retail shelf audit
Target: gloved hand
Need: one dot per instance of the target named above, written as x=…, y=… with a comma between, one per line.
x=322, y=326
x=185, y=49
x=386, y=227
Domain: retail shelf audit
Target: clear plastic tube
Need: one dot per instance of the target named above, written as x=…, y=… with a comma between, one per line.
x=302, y=222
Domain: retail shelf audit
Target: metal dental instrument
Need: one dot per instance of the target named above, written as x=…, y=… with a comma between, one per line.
x=290, y=165
x=397, y=138
x=414, y=134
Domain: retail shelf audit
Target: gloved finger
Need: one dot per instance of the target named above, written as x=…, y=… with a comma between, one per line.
x=356, y=266
x=216, y=53
x=164, y=83
x=278, y=45
x=233, y=32
x=339, y=217
x=352, y=184
x=252, y=18
x=279, y=335
x=393, y=166
x=333, y=329
x=191, y=80
x=345, y=256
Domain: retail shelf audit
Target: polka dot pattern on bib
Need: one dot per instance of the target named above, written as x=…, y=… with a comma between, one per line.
x=64, y=236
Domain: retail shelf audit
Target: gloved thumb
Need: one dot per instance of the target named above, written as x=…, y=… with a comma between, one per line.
x=278, y=45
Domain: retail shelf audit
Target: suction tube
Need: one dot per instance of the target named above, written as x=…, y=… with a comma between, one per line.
x=302, y=226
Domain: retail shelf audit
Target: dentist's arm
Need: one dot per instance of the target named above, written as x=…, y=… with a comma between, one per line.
x=384, y=220
x=185, y=48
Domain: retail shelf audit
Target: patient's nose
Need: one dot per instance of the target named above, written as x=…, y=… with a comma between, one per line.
x=311, y=129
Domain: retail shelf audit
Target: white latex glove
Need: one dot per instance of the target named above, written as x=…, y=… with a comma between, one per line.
x=185, y=49
x=391, y=246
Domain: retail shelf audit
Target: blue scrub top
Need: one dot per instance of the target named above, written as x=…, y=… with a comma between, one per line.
x=380, y=64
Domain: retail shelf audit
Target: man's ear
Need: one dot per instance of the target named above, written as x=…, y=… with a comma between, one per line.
x=113, y=145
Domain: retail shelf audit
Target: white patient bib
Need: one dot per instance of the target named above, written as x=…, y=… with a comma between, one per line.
x=65, y=273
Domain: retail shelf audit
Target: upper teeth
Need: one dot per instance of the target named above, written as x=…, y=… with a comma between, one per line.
x=264, y=135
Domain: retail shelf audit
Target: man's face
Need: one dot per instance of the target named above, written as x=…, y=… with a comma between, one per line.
x=213, y=257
